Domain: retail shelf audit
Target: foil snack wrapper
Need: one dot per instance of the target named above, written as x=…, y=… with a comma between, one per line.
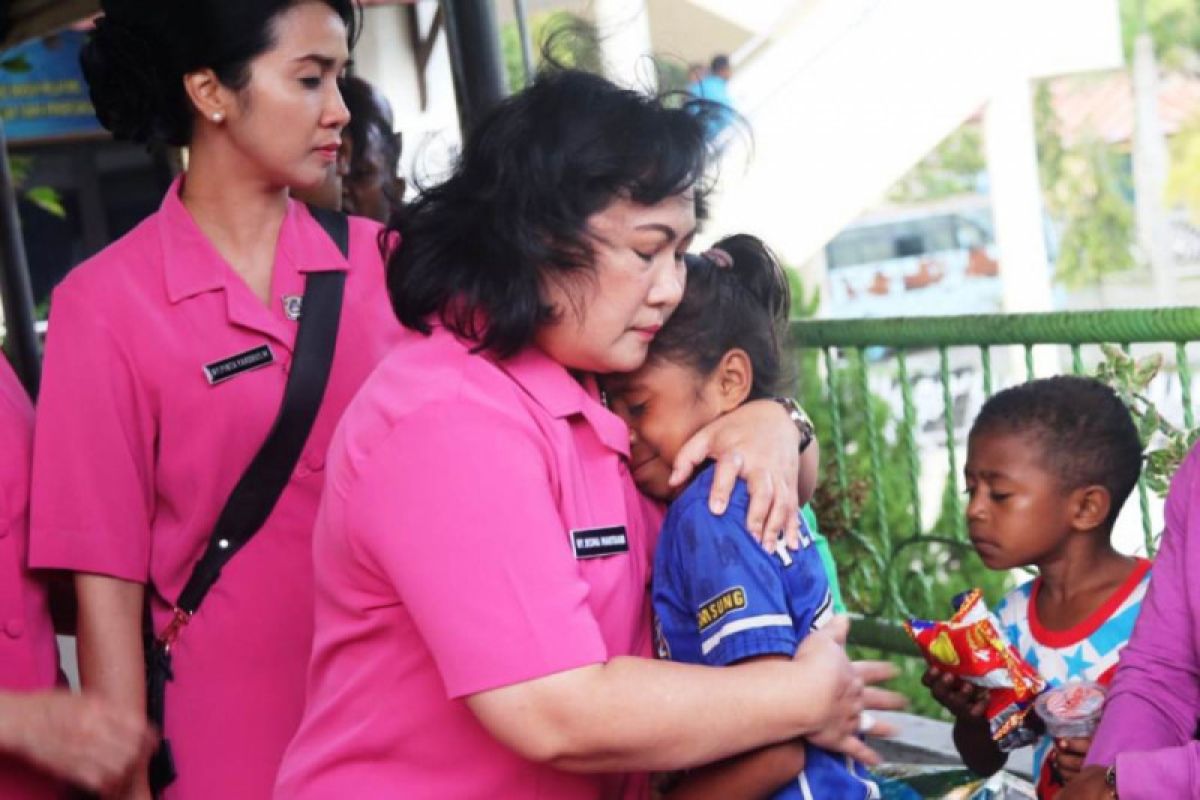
x=971, y=646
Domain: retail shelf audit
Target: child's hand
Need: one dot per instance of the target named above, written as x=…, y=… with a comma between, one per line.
x=1068, y=756
x=962, y=699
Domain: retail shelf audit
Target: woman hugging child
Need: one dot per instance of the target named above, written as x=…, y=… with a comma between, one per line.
x=719, y=598
x=1049, y=465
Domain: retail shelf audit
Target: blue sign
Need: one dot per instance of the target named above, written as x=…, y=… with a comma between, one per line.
x=42, y=91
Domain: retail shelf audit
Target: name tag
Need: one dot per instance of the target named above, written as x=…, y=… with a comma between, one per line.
x=599, y=542
x=226, y=368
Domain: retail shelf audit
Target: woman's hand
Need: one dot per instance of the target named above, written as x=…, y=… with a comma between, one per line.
x=1089, y=784
x=84, y=740
x=759, y=443
x=847, y=717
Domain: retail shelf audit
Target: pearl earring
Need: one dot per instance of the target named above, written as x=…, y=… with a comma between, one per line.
x=217, y=117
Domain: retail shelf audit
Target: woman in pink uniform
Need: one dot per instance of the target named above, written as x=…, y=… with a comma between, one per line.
x=166, y=363
x=482, y=554
x=46, y=733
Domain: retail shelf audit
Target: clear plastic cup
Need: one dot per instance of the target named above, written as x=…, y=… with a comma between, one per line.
x=1072, y=710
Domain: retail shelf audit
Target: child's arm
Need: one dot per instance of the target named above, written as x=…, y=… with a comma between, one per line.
x=756, y=774
x=972, y=736
x=1069, y=755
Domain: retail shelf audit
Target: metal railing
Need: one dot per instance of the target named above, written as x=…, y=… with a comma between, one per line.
x=882, y=435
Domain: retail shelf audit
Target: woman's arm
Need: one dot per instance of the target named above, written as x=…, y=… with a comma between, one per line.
x=758, y=773
x=634, y=714
x=1150, y=716
x=758, y=442
x=111, y=663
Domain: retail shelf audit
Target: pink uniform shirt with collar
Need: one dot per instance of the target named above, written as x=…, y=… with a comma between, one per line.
x=445, y=569
x=135, y=454
x=28, y=656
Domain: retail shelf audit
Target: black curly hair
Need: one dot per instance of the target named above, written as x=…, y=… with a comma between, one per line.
x=476, y=247
x=1086, y=434
x=140, y=50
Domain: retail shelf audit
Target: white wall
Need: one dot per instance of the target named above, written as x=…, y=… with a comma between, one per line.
x=384, y=57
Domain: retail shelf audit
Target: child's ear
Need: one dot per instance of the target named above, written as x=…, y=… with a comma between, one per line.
x=1091, y=507
x=733, y=379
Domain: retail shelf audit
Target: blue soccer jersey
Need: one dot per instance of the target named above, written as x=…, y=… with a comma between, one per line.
x=719, y=598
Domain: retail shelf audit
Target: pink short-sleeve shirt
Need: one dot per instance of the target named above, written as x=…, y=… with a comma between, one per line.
x=28, y=656
x=138, y=446
x=445, y=567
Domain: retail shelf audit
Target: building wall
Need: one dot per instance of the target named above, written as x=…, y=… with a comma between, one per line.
x=690, y=33
x=384, y=56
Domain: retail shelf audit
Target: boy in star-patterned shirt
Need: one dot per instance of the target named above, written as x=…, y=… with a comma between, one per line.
x=1049, y=465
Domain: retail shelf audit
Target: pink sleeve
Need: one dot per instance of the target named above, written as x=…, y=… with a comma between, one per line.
x=457, y=508
x=93, y=451
x=1150, y=718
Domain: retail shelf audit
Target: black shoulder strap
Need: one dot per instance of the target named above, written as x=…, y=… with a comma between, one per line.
x=256, y=493
x=258, y=490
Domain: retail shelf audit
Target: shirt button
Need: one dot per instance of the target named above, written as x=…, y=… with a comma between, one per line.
x=14, y=628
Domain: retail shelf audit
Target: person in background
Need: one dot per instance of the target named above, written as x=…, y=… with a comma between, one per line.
x=713, y=88
x=719, y=600
x=166, y=362
x=48, y=736
x=363, y=181
x=371, y=187
x=1049, y=465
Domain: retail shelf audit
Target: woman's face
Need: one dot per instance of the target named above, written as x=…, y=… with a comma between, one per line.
x=607, y=316
x=288, y=120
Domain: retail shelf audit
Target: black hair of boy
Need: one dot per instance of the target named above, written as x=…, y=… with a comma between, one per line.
x=1085, y=432
x=745, y=305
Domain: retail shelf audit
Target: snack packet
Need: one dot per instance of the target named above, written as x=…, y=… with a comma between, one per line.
x=971, y=646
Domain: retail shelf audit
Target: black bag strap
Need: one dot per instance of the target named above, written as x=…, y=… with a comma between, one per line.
x=261, y=485
x=256, y=493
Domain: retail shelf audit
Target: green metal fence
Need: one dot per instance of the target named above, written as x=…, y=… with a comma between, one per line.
x=886, y=542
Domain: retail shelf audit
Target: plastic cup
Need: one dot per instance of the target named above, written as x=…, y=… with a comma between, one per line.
x=1072, y=710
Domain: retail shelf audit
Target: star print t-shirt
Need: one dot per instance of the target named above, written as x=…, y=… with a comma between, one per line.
x=1088, y=651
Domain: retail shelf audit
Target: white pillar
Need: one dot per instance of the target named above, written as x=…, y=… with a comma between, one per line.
x=1150, y=164
x=624, y=29
x=1011, y=149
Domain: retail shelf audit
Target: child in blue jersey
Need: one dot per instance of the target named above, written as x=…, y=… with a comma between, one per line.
x=719, y=599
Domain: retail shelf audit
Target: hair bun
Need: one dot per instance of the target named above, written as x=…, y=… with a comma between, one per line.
x=758, y=270
x=124, y=67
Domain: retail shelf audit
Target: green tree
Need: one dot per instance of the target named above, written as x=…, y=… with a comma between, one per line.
x=1183, y=182
x=1174, y=25
x=952, y=168
x=566, y=38
x=1086, y=193
x=1099, y=225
